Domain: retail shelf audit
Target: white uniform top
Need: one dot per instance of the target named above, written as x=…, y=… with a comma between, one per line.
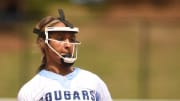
x=80, y=85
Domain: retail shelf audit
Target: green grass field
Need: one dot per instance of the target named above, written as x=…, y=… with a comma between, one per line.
x=111, y=49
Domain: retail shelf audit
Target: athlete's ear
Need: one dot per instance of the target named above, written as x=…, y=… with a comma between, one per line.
x=41, y=43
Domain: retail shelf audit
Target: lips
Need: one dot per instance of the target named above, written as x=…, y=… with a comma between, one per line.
x=66, y=55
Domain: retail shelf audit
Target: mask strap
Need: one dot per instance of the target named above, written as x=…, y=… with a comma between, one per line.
x=63, y=19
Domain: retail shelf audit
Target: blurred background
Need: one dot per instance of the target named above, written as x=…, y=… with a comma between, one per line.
x=133, y=45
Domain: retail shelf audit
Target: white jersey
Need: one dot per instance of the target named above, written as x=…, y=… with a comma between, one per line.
x=80, y=85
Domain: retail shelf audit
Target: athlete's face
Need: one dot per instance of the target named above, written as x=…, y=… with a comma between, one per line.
x=61, y=42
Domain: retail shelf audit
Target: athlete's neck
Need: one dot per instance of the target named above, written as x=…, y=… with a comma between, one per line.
x=60, y=70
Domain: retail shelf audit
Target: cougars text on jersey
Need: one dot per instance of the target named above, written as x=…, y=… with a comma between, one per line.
x=59, y=95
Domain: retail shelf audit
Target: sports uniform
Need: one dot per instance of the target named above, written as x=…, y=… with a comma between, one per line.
x=80, y=85
x=59, y=48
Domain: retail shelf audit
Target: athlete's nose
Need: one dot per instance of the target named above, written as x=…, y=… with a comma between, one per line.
x=67, y=44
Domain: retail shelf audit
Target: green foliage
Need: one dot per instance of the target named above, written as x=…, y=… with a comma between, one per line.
x=36, y=8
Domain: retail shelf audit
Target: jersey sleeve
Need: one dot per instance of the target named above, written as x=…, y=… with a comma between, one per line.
x=23, y=95
x=103, y=93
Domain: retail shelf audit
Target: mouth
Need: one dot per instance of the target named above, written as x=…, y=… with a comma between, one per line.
x=67, y=60
x=67, y=55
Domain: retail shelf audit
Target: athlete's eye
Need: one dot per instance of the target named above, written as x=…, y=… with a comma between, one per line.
x=60, y=39
x=72, y=40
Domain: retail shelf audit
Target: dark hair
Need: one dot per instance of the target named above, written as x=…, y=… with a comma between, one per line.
x=40, y=26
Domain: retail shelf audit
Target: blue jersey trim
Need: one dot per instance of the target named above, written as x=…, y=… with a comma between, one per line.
x=63, y=80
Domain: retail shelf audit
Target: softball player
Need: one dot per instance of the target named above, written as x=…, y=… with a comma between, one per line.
x=57, y=79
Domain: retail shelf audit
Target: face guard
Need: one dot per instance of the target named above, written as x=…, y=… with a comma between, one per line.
x=66, y=58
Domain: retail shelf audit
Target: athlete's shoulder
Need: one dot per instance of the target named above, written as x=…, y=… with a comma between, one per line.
x=95, y=81
x=88, y=74
x=31, y=87
x=34, y=81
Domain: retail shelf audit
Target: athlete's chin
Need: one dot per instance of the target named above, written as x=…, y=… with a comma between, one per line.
x=65, y=65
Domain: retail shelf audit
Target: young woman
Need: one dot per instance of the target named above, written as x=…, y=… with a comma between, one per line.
x=57, y=79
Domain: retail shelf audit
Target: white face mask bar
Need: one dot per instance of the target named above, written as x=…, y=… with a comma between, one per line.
x=73, y=57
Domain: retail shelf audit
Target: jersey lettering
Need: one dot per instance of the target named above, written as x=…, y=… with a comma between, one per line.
x=85, y=95
x=76, y=96
x=58, y=95
x=48, y=96
x=41, y=99
x=92, y=93
x=67, y=95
